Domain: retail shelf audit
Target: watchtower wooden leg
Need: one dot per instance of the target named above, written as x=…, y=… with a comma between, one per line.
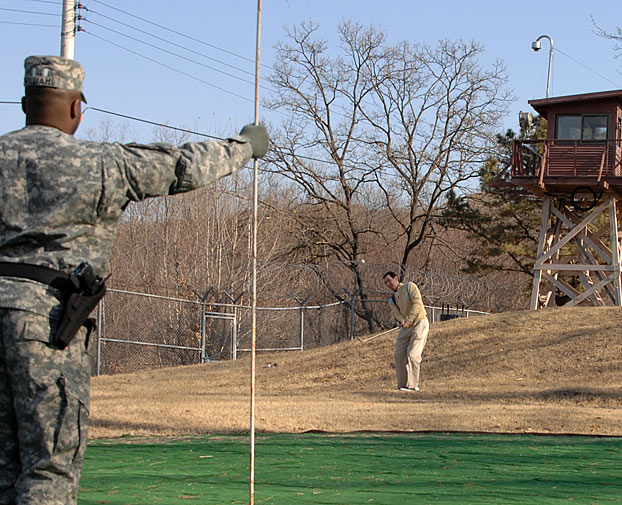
x=578, y=256
x=615, y=251
x=537, y=273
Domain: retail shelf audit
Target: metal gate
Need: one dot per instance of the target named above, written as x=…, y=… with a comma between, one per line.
x=216, y=338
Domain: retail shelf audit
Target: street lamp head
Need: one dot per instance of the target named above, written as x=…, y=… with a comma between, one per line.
x=536, y=45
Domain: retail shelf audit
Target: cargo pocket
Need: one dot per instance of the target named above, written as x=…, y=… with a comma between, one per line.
x=37, y=328
x=70, y=435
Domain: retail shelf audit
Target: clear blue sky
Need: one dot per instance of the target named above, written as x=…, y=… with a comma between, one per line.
x=125, y=82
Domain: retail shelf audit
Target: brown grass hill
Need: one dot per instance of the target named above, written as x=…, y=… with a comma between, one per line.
x=551, y=371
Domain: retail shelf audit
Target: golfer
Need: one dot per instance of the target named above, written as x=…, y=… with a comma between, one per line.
x=407, y=307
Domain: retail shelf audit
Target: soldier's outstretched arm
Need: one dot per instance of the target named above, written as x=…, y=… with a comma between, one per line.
x=164, y=169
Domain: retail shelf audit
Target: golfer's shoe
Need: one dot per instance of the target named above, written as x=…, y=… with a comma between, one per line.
x=416, y=388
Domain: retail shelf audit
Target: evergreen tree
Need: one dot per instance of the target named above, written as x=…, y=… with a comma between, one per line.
x=502, y=221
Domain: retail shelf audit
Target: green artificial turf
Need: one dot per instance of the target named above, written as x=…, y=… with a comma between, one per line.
x=378, y=469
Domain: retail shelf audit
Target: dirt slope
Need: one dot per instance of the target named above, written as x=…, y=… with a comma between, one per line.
x=553, y=371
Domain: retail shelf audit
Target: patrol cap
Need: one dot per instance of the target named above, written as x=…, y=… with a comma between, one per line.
x=54, y=72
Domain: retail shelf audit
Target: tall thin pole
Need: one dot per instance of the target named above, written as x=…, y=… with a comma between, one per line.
x=67, y=34
x=254, y=276
x=536, y=46
x=548, y=75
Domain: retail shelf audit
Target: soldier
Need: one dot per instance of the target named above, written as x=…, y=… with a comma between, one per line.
x=60, y=201
x=407, y=307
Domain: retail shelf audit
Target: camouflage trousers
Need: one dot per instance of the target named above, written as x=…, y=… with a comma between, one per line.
x=43, y=411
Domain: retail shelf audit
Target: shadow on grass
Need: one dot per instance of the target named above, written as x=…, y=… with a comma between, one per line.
x=581, y=395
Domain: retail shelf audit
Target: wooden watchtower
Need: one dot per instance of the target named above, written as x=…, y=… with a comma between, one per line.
x=577, y=171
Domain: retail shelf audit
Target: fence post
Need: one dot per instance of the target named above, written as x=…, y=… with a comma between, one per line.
x=204, y=357
x=302, y=328
x=100, y=320
x=234, y=335
x=203, y=329
x=301, y=303
x=352, y=317
x=352, y=297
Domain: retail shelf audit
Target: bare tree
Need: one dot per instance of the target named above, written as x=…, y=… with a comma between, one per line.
x=377, y=136
x=433, y=114
x=110, y=131
x=320, y=148
x=615, y=35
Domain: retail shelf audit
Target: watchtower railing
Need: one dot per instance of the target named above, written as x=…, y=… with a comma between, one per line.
x=566, y=158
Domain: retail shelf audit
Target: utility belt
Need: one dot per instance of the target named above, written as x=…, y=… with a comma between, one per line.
x=81, y=292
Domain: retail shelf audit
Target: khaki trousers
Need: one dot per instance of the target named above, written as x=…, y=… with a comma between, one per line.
x=408, y=349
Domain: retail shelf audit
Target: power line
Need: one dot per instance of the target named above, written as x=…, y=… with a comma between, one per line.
x=178, y=33
x=193, y=132
x=147, y=33
x=182, y=57
x=165, y=65
x=134, y=118
x=164, y=40
x=163, y=125
x=184, y=130
x=172, y=68
x=170, y=52
x=155, y=123
x=27, y=24
x=183, y=47
x=617, y=84
x=29, y=12
x=342, y=114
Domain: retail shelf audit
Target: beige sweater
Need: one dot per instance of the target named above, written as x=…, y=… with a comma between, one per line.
x=406, y=303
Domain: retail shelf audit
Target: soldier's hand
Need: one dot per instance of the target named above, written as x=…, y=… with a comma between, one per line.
x=257, y=136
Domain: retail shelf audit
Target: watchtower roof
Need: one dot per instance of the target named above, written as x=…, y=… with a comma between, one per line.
x=542, y=105
x=582, y=149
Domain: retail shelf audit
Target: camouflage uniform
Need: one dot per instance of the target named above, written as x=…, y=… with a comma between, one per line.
x=60, y=201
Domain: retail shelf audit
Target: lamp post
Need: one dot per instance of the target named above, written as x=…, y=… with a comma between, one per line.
x=536, y=46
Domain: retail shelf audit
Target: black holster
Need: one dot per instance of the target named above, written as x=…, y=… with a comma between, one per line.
x=81, y=292
x=79, y=305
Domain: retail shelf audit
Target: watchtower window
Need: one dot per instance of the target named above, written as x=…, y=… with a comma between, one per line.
x=577, y=127
x=568, y=127
x=595, y=127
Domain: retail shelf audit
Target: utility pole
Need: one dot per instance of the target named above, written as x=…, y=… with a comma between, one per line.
x=67, y=34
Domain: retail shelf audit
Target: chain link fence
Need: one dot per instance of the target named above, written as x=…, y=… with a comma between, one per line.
x=139, y=331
